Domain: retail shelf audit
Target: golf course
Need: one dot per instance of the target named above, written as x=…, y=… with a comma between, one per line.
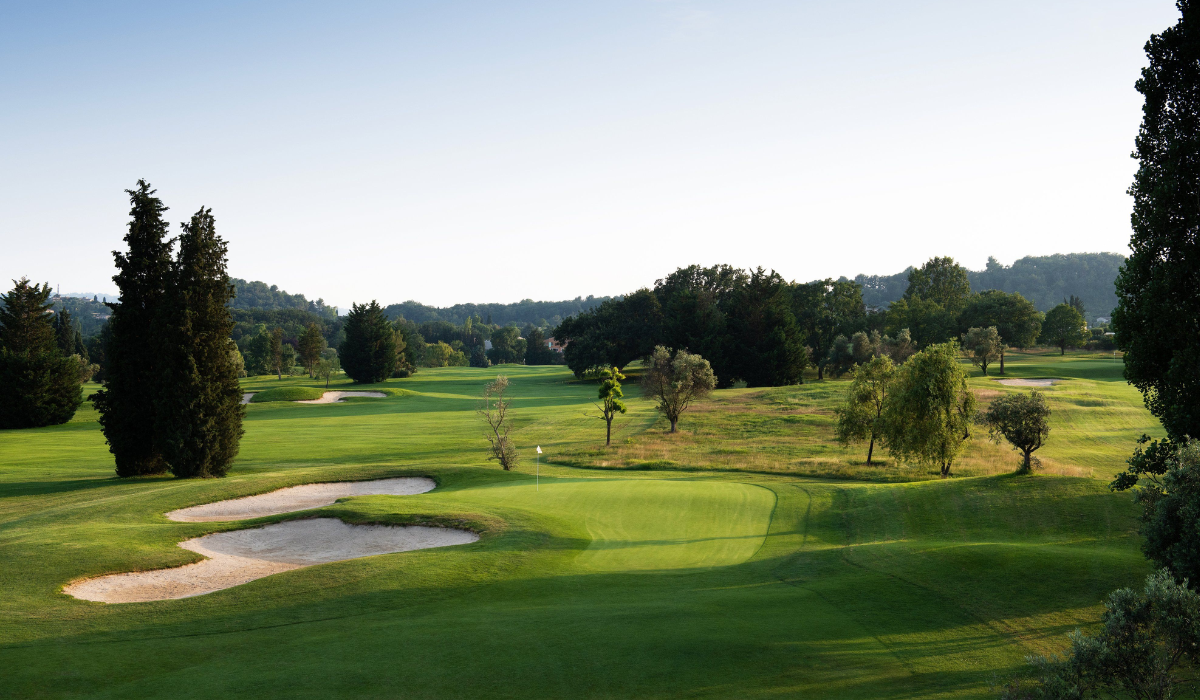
x=748, y=555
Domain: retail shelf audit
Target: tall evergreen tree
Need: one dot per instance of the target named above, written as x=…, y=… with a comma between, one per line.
x=64, y=331
x=40, y=386
x=1157, y=307
x=199, y=401
x=133, y=370
x=368, y=354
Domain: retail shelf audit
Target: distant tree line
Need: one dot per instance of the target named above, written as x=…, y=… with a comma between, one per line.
x=756, y=327
x=523, y=313
x=1043, y=280
x=258, y=295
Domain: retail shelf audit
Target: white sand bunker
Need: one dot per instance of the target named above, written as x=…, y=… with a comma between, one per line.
x=241, y=556
x=337, y=396
x=246, y=397
x=1027, y=382
x=299, y=498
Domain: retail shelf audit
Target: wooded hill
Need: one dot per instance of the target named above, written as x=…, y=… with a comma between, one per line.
x=1046, y=281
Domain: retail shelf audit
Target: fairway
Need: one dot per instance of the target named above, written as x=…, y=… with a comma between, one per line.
x=720, y=568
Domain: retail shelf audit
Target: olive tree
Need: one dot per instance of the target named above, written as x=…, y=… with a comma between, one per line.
x=861, y=418
x=983, y=346
x=1023, y=420
x=495, y=412
x=675, y=382
x=927, y=414
x=1146, y=642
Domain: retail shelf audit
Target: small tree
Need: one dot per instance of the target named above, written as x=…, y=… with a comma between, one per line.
x=610, y=396
x=927, y=415
x=861, y=418
x=983, y=346
x=328, y=365
x=1022, y=419
x=276, y=351
x=1145, y=640
x=312, y=342
x=494, y=412
x=1063, y=327
x=676, y=382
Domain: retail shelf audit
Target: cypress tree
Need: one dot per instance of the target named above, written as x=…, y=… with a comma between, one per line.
x=1157, y=307
x=368, y=353
x=133, y=365
x=64, y=331
x=199, y=401
x=38, y=384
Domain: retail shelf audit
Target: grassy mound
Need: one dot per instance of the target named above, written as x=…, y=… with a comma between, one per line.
x=287, y=393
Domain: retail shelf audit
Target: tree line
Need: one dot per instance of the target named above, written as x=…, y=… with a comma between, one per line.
x=756, y=327
x=1043, y=280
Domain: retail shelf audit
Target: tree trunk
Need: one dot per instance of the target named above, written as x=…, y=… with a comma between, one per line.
x=820, y=371
x=673, y=422
x=945, y=469
x=608, y=430
x=1027, y=467
x=870, y=450
x=1062, y=349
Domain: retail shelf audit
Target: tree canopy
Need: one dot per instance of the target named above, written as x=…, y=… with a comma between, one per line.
x=368, y=354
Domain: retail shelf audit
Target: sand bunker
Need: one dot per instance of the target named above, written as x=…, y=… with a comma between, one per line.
x=337, y=396
x=246, y=397
x=1027, y=382
x=241, y=556
x=299, y=498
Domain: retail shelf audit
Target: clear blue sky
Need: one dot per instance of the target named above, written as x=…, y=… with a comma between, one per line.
x=484, y=151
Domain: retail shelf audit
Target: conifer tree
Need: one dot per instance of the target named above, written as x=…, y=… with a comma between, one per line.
x=38, y=384
x=368, y=353
x=133, y=369
x=199, y=402
x=1155, y=317
x=64, y=331
x=311, y=345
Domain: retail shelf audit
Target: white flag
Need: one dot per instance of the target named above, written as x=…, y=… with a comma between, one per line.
x=539, y=449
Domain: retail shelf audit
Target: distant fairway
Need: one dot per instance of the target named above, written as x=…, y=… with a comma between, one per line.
x=652, y=577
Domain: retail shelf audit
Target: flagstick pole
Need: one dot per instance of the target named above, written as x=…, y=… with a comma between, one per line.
x=537, y=484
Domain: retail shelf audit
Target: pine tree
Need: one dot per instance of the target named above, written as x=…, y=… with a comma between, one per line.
x=368, y=353
x=133, y=369
x=39, y=385
x=199, y=400
x=311, y=345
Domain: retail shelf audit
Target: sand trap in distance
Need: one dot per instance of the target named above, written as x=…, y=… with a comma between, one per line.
x=337, y=396
x=1027, y=382
x=241, y=556
x=246, y=397
x=302, y=497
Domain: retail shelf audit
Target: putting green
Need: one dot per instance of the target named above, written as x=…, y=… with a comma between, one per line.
x=649, y=525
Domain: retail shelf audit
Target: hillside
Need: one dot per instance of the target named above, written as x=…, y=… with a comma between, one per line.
x=1044, y=280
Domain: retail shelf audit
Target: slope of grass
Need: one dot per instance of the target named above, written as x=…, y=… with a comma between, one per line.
x=593, y=583
x=287, y=393
x=790, y=430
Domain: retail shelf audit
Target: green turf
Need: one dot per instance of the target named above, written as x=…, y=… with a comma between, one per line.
x=750, y=580
x=287, y=393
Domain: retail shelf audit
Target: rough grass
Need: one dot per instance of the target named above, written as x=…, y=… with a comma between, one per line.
x=790, y=430
x=655, y=582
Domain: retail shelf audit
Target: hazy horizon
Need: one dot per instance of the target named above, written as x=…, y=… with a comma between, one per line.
x=479, y=153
